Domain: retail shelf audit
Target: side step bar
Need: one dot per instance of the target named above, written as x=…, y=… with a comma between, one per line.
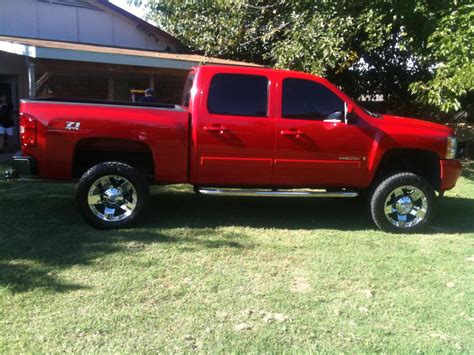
x=274, y=193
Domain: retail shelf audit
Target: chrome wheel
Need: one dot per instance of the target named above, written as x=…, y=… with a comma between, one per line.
x=112, y=198
x=406, y=206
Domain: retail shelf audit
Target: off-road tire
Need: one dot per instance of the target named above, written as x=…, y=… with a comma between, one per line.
x=116, y=169
x=378, y=197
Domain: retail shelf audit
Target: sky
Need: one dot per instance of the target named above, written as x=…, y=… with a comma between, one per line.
x=132, y=9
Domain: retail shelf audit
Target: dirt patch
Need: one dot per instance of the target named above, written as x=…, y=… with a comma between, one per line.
x=300, y=285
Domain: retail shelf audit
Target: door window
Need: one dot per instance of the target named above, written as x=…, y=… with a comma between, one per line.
x=305, y=99
x=238, y=95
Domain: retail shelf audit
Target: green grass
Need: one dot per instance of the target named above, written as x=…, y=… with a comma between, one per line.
x=232, y=274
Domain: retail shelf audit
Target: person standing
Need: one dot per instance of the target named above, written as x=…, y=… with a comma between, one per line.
x=6, y=121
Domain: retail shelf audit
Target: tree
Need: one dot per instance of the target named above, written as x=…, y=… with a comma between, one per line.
x=413, y=52
x=452, y=52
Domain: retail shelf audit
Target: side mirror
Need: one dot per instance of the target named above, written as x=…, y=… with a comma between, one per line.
x=350, y=117
x=334, y=117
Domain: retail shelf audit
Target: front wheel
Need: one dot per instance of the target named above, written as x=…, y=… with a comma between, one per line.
x=403, y=203
x=111, y=195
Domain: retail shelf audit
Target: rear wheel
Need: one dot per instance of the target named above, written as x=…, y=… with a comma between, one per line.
x=403, y=203
x=111, y=195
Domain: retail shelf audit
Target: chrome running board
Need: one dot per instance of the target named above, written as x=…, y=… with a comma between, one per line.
x=274, y=193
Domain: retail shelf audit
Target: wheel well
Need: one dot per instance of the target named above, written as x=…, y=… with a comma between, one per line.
x=93, y=151
x=420, y=162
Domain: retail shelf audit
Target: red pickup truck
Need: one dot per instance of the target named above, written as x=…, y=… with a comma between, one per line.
x=240, y=131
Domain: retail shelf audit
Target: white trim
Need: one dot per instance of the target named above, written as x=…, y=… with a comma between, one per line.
x=17, y=48
x=111, y=58
x=94, y=57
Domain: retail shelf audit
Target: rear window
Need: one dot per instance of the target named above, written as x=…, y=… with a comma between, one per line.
x=238, y=95
x=187, y=90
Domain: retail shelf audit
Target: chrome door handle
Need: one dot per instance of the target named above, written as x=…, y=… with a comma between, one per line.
x=219, y=129
x=296, y=133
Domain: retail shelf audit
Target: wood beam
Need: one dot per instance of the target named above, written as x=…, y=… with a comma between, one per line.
x=31, y=77
x=151, y=82
x=110, y=85
x=41, y=81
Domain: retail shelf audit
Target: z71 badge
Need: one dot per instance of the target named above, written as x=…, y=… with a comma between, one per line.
x=73, y=126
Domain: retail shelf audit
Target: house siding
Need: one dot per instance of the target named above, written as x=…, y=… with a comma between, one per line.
x=96, y=25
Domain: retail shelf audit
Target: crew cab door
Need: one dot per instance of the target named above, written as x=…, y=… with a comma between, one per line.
x=236, y=128
x=315, y=147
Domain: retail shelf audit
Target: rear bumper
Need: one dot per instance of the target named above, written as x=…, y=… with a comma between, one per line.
x=22, y=166
x=450, y=171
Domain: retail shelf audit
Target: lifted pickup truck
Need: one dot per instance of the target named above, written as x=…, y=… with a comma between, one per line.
x=240, y=131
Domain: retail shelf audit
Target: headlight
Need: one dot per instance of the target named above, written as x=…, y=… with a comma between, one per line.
x=451, y=147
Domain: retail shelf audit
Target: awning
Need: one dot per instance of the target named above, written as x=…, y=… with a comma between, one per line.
x=46, y=49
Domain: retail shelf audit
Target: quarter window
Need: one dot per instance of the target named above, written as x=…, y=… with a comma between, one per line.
x=238, y=95
x=305, y=99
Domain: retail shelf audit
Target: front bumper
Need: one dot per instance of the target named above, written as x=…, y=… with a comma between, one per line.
x=450, y=171
x=22, y=166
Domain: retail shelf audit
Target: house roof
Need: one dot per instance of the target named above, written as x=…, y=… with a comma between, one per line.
x=141, y=22
x=46, y=49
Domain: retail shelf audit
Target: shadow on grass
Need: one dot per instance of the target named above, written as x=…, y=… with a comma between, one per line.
x=171, y=210
x=455, y=215
x=21, y=278
x=42, y=232
x=468, y=170
x=176, y=210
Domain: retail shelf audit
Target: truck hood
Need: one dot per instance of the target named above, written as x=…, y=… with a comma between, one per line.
x=413, y=125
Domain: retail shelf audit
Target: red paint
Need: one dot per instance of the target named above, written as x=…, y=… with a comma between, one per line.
x=164, y=132
x=191, y=145
x=450, y=171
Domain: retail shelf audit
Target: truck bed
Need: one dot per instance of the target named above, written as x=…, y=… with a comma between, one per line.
x=69, y=131
x=106, y=102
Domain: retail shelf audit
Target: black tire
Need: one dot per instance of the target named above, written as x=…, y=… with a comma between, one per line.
x=136, y=190
x=385, y=192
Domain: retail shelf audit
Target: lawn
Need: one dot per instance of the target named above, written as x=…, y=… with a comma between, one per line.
x=232, y=274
